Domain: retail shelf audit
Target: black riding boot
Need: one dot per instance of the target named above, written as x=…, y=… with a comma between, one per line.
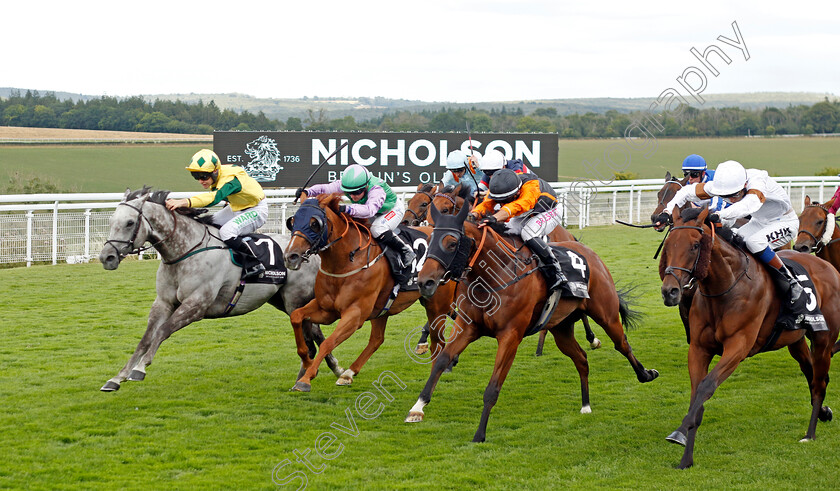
x=392, y=241
x=787, y=282
x=250, y=264
x=551, y=267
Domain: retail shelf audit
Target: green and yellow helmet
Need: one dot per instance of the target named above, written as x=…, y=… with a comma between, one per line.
x=204, y=161
x=354, y=179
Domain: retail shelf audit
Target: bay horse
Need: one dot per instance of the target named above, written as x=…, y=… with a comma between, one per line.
x=418, y=205
x=449, y=202
x=353, y=284
x=196, y=278
x=734, y=315
x=463, y=251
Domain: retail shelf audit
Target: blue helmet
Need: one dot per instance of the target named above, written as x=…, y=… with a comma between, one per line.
x=694, y=162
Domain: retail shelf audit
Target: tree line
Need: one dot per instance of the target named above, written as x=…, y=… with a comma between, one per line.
x=164, y=116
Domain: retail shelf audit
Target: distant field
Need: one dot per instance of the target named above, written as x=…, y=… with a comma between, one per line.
x=779, y=156
x=112, y=168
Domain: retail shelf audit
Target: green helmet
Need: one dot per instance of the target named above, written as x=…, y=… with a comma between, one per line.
x=354, y=178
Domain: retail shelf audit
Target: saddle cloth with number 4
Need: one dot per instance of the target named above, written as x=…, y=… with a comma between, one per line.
x=576, y=269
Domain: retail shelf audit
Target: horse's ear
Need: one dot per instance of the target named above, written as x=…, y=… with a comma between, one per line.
x=807, y=200
x=829, y=203
x=667, y=176
x=704, y=214
x=127, y=192
x=675, y=213
x=420, y=186
x=434, y=211
x=462, y=213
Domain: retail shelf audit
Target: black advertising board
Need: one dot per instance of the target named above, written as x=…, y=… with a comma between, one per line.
x=287, y=158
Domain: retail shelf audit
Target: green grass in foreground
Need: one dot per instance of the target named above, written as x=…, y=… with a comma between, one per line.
x=215, y=411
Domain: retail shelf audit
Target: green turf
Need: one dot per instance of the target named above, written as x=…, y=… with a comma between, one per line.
x=113, y=168
x=215, y=411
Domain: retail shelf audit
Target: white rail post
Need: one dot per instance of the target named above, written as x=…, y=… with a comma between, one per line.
x=614, y=205
x=639, y=207
x=29, y=217
x=630, y=211
x=55, y=234
x=87, y=235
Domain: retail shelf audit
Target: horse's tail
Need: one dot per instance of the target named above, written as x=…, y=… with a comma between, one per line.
x=629, y=317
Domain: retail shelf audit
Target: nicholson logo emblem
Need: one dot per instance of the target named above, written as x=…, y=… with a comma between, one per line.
x=265, y=159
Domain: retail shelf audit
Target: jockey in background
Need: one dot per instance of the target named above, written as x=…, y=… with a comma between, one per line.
x=752, y=192
x=493, y=161
x=532, y=209
x=370, y=197
x=458, y=165
x=694, y=168
x=246, y=209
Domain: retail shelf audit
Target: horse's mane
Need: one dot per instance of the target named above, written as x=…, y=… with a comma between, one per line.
x=330, y=201
x=159, y=197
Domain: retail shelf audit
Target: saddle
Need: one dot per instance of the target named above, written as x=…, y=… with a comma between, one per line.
x=576, y=269
x=406, y=278
x=804, y=313
x=269, y=253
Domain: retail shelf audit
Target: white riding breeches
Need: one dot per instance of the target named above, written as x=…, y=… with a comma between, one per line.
x=777, y=232
x=530, y=226
x=242, y=222
x=387, y=221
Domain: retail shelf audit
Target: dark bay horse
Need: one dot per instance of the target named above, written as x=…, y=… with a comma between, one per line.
x=462, y=251
x=196, y=278
x=733, y=316
x=449, y=202
x=418, y=205
x=353, y=285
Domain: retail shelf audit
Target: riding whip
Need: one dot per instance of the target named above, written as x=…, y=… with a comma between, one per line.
x=319, y=167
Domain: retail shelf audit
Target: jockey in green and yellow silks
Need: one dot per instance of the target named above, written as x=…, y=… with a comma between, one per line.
x=246, y=209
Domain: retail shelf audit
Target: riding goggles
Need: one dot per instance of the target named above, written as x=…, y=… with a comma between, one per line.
x=200, y=176
x=692, y=173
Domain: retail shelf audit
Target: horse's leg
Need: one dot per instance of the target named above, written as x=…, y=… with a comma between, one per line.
x=607, y=315
x=735, y=350
x=310, y=312
x=438, y=310
x=508, y=344
x=836, y=348
x=541, y=342
x=466, y=335
x=377, y=335
x=316, y=335
x=423, y=344
x=158, y=314
x=821, y=356
x=351, y=320
x=594, y=342
x=564, y=338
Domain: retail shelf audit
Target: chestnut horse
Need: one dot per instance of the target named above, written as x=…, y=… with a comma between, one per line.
x=812, y=231
x=353, y=285
x=734, y=315
x=508, y=311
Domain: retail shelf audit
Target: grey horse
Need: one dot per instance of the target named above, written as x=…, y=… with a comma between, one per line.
x=196, y=278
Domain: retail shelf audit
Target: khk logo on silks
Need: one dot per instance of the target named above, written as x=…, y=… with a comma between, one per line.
x=265, y=159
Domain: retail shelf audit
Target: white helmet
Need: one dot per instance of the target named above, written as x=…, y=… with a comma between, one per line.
x=492, y=160
x=730, y=177
x=456, y=160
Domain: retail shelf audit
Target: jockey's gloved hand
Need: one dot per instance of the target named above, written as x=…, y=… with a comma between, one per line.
x=298, y=192
x=714, y=218
x=663, y=218
x=489, y=220
x=342, y=208
x=472, y=218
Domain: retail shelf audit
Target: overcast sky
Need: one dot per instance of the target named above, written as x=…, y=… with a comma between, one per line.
x=454, y=50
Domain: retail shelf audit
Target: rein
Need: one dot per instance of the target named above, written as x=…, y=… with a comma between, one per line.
x=130, y=242
x=821, y=243
x=315, y=249
x=425, y=212
x=669, y=270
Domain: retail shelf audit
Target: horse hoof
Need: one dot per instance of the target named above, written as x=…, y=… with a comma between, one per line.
x=301, y=387
x=826, y=414
x=136, y=375
x=421, y=349
x=676, y=437
x=806, y=440
x=538, y=353
x=414, y=417
x=595, y=344
x=586, y=409
x=651, y=375
x=344, y=380
x=110, y=386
